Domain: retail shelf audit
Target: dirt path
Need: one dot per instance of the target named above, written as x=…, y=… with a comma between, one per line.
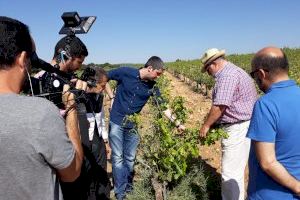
x=199, y=106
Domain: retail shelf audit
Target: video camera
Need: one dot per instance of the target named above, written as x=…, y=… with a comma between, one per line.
x=50, y=85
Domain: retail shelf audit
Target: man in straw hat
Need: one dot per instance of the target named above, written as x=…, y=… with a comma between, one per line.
x=234, y=95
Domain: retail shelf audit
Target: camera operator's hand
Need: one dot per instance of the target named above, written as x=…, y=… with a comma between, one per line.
x=68, y=98
x=80, y=85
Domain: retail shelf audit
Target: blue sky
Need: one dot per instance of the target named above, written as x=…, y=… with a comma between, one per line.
x=130, y=31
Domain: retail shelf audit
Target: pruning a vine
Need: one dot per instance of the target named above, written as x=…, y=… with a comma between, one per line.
x=170, y=152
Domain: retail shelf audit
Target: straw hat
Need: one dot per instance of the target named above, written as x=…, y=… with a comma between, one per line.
x=211, y=55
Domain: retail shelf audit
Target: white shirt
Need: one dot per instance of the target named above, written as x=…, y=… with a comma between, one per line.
x=100, y=119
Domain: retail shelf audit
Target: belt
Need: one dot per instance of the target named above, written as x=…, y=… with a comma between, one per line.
x=232, y=123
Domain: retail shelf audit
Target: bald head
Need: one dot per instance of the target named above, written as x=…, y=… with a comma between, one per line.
x=272, y=60
x=271, y=52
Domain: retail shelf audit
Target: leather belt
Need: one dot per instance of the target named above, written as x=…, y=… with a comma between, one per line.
x=230, y=124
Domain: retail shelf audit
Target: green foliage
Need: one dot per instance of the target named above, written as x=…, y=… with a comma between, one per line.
x=168, y=151
x=106, y=66
x=142, y=188
x=192, y=68
x=192, y=186
x=179, y=110
x=175, y=151
x=214, y=135
x=134, y=118
x=163, y=83
x=293, y=56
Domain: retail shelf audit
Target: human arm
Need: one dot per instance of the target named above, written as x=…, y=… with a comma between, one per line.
x=72, y=172
x=265, y=153
x=168, y=113
x=110, y=94
x=103, y=125
x=223, y=93
x=172, y=118
x=214, y=114
x=104, y=131
x=109, y=91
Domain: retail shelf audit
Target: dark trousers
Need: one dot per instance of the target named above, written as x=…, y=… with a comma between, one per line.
x=93, y=182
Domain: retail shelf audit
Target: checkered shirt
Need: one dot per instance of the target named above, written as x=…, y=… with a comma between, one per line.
x=235, y=89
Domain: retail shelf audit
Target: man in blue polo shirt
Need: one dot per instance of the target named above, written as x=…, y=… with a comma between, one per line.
x=274, y=163
x=134, y=88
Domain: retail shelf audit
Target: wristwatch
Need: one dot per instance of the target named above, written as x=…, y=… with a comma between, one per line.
x=105, y=141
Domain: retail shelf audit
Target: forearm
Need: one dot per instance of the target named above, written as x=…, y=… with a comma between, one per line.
x=282, y=176
x=168, y=114
x=266, y=156
x=109, y=91
x=103, y=125
x=214, y=114
x=73, y=132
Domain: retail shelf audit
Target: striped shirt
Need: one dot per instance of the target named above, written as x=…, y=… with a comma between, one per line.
x=235, y=89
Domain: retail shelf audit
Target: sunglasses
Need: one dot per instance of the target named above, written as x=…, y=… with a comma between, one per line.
x=253, y=72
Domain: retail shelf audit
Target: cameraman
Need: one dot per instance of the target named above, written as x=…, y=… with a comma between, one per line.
x=69, y=54
x=36, y=149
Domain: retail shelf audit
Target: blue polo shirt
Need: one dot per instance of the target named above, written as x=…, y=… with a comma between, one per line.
x=131, y=95
x=276, y=119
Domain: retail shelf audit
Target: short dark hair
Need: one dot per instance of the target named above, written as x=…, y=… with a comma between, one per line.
x=14, y=38
x=75, y=47
x=100, y=74
x=273, y=64
x=155, y=62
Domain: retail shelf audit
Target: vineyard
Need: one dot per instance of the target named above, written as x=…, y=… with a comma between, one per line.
x=169, y=166
x=190, y=70
x=177, y=165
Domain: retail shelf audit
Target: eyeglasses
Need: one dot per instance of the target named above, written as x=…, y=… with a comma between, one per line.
x=253, y=72
x=207, y=66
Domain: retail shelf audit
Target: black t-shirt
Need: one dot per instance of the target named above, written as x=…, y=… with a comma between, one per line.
x=94, y=102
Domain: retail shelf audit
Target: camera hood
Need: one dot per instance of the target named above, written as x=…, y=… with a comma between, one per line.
x=74, y=24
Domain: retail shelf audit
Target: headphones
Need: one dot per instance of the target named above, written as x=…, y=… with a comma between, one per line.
x=63, y=55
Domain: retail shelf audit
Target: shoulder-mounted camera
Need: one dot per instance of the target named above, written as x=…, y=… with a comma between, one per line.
x=50, y=85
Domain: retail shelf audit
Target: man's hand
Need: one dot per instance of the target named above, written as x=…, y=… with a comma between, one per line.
x=297, y=189
x=181, y=128
x=68, y=98
x=81, y=85
x=204, y=130
x=214, y=114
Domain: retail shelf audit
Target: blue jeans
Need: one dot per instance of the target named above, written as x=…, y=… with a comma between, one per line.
x=123, y=143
